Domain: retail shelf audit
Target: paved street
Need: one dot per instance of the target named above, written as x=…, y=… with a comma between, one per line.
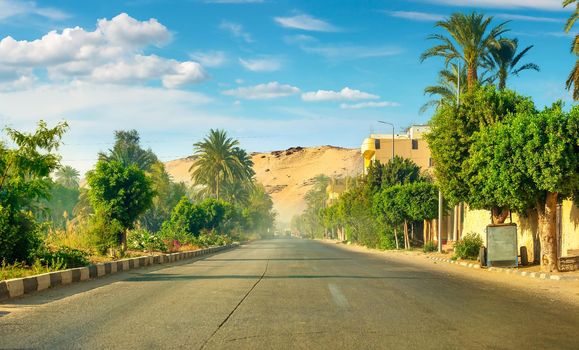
x=288, y=294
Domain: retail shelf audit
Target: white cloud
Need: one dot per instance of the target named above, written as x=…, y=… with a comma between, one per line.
x=12, y=8
x=261, y=64
x=236, y=30
x=352, y=52
x=416, y=16
x=110, y=53
x=551, y=5
x=210, y=58
x=346, y=94
x=514, y=17
x=263, y=91
x=370, y=104
x=306, y=22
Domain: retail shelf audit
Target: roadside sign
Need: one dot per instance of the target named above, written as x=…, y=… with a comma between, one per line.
x=502, y=245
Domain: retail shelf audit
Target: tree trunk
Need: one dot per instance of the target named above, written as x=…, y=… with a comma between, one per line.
x=471, y=77
x=547, y=217
x=396, y=239
x=502, y=78
x=406, y=240
x=424, y=231
x=124, y=241
x=499, y=215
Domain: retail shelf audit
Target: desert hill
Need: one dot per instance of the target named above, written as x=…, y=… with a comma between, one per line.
x=287, y=175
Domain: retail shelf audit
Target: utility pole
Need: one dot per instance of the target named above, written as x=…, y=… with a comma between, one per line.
x=392, y=125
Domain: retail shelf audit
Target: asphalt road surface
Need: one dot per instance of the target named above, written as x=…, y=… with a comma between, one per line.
x=288, y=294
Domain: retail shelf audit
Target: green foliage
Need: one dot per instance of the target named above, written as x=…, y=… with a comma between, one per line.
x=145, y=240
x=399, y=171
x=453, y=129
x=68, y=177
x=468, y=246
x=24, y=181
x=221, y=164
x=187, y=219
x=127, y=151
x=105, y=233
x=59, y=207
x=210, y=239
x=63, y=258
x=119, y=193
x=429, y=247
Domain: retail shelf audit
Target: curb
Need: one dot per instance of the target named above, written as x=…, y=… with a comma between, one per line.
x=16, y=287
x=538, y=275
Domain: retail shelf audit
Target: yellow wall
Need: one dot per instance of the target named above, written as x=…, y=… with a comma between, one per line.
x=527, y=230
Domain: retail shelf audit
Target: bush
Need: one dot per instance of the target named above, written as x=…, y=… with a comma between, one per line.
x=19, y=236
x=212, y=239
x=62, y=258
x=468, y=247
x=430, y=247
x=145, y=240
x=105, y=233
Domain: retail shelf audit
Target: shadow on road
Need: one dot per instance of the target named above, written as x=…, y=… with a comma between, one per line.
x=168, y=277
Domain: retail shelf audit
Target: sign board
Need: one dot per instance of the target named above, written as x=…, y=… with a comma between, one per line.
x=502, y=245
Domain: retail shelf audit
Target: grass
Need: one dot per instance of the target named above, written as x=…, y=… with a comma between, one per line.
x=19, y=270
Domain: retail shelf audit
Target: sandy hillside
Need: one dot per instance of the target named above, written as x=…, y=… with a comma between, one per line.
x=287, y=175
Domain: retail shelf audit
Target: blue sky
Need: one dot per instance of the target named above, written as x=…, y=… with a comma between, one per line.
x=274, y=73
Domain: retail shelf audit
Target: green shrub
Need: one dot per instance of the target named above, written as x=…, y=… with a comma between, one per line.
x=429, y=247
x=468, y=247
x=145, y=240
x=105, y=233
x=62, y=258
x=19, y=235
x=212, y=239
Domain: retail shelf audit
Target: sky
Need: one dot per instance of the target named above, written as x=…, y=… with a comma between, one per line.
x=273, y=73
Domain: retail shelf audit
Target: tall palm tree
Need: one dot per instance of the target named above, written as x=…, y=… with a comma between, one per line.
x=447, y=87
x=573, y=79
x=504, y=60
x=470, y=40
x=220, y=161
x=67, y=176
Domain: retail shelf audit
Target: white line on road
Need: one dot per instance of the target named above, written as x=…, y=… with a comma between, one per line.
x=339, y=298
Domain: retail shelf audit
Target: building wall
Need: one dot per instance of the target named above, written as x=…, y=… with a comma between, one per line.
x=527, y=228
x=403, y=148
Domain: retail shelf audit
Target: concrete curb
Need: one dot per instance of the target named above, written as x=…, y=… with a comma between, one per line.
x=538, y=275
x=19, y=286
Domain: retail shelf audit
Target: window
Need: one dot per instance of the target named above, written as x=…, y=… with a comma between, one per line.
x=414, y=144
x=376, y=144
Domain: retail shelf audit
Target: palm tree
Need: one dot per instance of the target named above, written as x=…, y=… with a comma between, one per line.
x=504, y=59
x=67, y=176
x=573, y=79
x=446, y=90
x=470, y=41
x=220, y=161
x=127, y=150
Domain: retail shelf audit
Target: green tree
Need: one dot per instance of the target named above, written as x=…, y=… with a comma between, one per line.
x=67, y=176
x=119, y=194
x=128, y=151
x=186, y=219
x=504, y=60
x=451, y=137
x=259, y=211
x=24, y=182
x=220, y=161
x=573, y=79
x=399, y=171
x=447, y=87
x=469, y=39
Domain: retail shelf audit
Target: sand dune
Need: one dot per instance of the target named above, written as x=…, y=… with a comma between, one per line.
x=287, y=175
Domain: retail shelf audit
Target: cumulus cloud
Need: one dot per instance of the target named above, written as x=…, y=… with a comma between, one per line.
x=306, y=22
x=370, y=104
x=110, y=53
x=210, y=58
x=346, y=94
x=261, y=64
x=263, y=91
x=236, y=30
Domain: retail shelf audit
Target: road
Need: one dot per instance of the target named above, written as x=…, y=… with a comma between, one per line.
x=288, y=294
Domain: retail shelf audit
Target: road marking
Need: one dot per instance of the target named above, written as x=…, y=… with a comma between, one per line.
x=339, y=298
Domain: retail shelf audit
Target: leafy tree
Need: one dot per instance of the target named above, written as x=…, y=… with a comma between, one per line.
x=573, y=79
x=186, y=219
x=259, y=213
x=399, y=171
x=451, y=136
x=504, y=59
x=24, y=182
x=373, y=177
x=60, y=205
x=220, y=161
x=470, y=40
x=119, y=193
x=67, y=176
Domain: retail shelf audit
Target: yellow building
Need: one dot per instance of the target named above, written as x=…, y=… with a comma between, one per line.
x=410, y=144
